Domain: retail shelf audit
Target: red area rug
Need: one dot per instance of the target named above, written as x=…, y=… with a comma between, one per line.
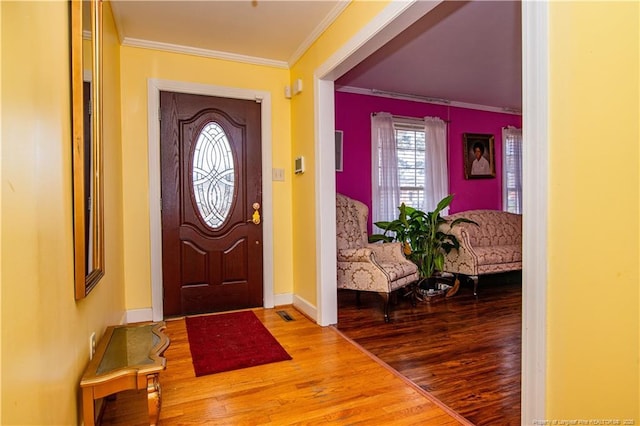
x=231, y=341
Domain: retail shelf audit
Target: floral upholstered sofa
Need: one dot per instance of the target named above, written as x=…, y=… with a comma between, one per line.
x=494, y=245
x=379, y=268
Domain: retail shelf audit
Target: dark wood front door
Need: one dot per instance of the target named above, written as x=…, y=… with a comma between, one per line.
x=211, y=157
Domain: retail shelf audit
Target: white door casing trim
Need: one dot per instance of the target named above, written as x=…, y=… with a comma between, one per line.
x=325, y=184
x=392, y=20
x=155, y=219
x=535, y=46
x=535, y=196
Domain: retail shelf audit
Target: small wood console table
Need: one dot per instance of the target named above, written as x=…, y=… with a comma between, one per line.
x=127, y=357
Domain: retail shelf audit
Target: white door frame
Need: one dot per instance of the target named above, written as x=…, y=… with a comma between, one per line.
x=155, y=218
x=395, y=18
x=391, y=21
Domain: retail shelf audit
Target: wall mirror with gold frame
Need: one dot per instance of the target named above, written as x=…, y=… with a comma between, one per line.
x=86, y=84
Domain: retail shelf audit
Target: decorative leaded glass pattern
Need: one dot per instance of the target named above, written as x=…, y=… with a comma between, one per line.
x=213, y=175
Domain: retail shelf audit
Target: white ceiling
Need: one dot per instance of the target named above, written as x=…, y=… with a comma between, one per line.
x=463, y=51
x=258, y=30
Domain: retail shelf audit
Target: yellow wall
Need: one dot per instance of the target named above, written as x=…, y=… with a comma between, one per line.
x=45, y=332
x=113, y=224
x=294, y=264
x=137, y=66
x=593, y=236
x=354, y=17
x=593, y=345
x=1, y=186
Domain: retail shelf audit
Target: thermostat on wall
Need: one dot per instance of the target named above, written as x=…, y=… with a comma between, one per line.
x=299, y=165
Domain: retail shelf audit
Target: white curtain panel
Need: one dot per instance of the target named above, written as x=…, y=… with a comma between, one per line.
x=436, y=177
x=512, y=164
x=385, y=187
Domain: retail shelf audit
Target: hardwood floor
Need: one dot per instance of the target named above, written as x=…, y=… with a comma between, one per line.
x=328, y=381
x=465, y=351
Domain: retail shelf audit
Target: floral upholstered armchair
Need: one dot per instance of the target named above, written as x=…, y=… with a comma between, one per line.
x=380, y=268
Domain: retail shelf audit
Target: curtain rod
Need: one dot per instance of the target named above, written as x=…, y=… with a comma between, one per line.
x=406, y=117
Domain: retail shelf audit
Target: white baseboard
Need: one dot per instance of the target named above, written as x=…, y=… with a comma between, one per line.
x=145, y=314
x=305, y=307
x=283, y=299
x=139, y=315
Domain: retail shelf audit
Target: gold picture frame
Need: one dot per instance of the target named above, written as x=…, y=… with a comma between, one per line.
x=86, y=84
x=478, y=156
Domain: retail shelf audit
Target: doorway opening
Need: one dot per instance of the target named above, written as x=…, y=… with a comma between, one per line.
x=394, y=19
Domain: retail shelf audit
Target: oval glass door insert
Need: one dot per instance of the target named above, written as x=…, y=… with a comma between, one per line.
x=213, y=175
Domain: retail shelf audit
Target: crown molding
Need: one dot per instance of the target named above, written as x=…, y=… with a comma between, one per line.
x=318, y=30
x=216, y=54
x=425, y=99
x=196, y=51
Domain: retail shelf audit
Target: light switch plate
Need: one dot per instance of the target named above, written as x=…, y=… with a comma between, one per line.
x=277, y=175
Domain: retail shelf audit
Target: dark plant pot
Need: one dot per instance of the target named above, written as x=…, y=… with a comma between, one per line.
x=428, y=283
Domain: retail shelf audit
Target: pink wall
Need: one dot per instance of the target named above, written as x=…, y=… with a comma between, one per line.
x=353, y=117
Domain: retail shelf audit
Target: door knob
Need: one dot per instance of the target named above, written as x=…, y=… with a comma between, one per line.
x=256, y=214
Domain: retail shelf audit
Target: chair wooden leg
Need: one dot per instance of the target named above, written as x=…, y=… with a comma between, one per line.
x=474, y=278
x=385, y=298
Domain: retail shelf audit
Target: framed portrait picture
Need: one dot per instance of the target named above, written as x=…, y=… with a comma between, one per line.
x=478, y=156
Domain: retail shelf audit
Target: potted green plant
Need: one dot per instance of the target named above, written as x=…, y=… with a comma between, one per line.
x=424, y=242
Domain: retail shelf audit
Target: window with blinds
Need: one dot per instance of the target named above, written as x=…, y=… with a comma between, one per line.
x=410, y=140
x=510, y=169
x=512, y=173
